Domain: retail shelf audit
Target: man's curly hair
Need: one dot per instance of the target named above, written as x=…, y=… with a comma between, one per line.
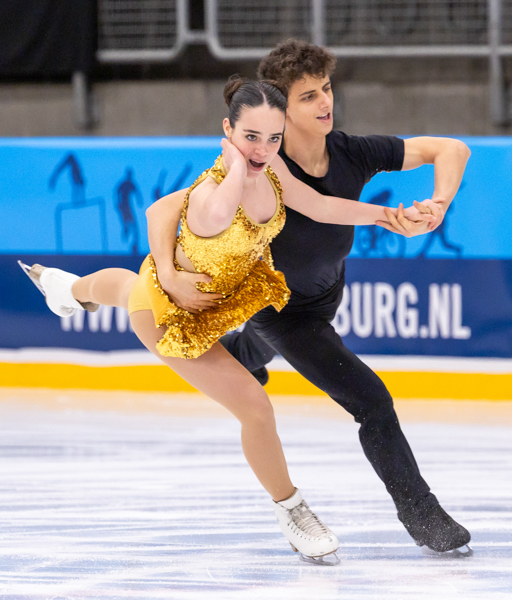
x=292, y=60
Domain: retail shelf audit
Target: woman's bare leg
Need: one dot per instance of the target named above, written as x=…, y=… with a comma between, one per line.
x=109, y=286
x=218, y=375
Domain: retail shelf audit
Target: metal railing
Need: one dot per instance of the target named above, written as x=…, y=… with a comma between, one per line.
x=353, y=27
x=157, y=30
x=133, y=31
x=372, y=28
x=142, y=31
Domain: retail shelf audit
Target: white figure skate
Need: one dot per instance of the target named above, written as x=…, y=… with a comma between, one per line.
x=305, y=532
x=55, y=285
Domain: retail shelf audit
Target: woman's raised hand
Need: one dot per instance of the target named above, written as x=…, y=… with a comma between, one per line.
x=231, y=155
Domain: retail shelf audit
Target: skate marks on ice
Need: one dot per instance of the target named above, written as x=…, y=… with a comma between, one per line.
x=123, y=506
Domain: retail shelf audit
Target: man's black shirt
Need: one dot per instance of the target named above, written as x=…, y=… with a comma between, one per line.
x=312, y=255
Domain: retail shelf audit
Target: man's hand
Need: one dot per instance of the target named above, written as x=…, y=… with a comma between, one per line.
x=433, y=207
x=181, y=287
x=415, y=220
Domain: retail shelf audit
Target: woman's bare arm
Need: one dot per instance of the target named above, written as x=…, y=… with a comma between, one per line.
x=341, y=211
x=163, y=219
x=212, y=207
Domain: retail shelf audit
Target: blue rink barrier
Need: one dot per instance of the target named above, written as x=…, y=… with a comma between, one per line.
x=79, y=204
x=390, y=306
x=430, y=307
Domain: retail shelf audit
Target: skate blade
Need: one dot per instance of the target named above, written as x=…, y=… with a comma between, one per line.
x=329, y=560
x=33, y=273
x=90, y=306
x=462, y=552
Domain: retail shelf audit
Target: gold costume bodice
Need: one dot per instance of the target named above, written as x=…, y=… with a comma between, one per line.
x=240, y=264
x=230, y=255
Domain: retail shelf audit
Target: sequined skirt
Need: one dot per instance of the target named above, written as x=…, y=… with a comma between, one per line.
x=189, y=335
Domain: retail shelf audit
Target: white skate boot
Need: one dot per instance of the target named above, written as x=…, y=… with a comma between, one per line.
x=305, y=532
x=55, y=285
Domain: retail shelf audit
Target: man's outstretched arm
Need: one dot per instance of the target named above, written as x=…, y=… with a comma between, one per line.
x=163, y=218
x=449, y=157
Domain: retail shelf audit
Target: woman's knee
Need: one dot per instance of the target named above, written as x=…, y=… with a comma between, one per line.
x=126, y=287
x=258, y=408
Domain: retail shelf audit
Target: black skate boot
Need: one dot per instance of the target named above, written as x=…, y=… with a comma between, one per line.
x=261, y=375
x=432, y=528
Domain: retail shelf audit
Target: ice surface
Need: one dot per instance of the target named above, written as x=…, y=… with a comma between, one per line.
x=116, y=505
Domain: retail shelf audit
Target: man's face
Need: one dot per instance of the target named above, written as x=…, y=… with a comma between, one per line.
x=310, y=104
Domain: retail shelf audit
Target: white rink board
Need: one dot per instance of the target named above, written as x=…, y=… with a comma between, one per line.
x=73, y=356
x=111, y=505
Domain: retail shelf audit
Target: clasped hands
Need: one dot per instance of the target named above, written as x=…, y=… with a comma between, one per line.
x=418, y=219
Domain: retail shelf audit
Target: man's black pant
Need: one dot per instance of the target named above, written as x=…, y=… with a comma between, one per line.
x=306, y=339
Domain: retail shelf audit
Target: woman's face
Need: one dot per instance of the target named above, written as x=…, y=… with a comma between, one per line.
x=257, y=134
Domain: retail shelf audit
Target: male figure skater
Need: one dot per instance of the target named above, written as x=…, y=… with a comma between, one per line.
x=312, y=257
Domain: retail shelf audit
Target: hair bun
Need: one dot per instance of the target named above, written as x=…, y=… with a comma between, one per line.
x=275, y=84
x=233, y=84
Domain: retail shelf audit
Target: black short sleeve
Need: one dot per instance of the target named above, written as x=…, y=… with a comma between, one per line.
x=376, y=153
x=310, y=254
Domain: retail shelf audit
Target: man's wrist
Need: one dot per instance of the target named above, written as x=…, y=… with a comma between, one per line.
x=441, y=201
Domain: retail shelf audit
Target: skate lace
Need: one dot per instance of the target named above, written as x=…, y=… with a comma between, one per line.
x=306, y=520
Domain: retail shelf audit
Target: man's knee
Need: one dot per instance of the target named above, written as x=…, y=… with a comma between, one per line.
x=375, y=408
x=247, y=347
x=380, y=420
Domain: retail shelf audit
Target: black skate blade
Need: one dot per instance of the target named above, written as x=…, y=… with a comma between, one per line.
x=462, y=552
x=26, y=269
x=329, y=560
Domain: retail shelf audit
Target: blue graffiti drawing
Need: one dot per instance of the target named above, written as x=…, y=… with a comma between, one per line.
x=78, y=199
x=158, y=190
x=123, y=193
x=378, y=241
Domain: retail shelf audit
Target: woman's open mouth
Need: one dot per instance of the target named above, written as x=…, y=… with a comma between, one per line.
x=257, y=166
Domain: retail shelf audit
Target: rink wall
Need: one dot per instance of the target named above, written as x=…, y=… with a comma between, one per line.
x=432, y=315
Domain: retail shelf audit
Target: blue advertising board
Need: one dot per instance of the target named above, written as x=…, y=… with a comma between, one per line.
x=79, y=204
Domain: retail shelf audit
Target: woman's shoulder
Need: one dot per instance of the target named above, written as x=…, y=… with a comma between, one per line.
x=202, y=186
x=193, y=216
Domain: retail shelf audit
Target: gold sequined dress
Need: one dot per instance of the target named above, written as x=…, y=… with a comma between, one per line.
x=240, y=265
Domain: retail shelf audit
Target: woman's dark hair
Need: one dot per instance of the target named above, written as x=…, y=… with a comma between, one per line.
x=245, y=93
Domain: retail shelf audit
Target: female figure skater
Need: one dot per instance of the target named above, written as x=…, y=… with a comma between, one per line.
x=230, y=215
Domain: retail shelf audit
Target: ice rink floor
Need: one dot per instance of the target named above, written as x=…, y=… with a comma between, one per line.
x=124, y=496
